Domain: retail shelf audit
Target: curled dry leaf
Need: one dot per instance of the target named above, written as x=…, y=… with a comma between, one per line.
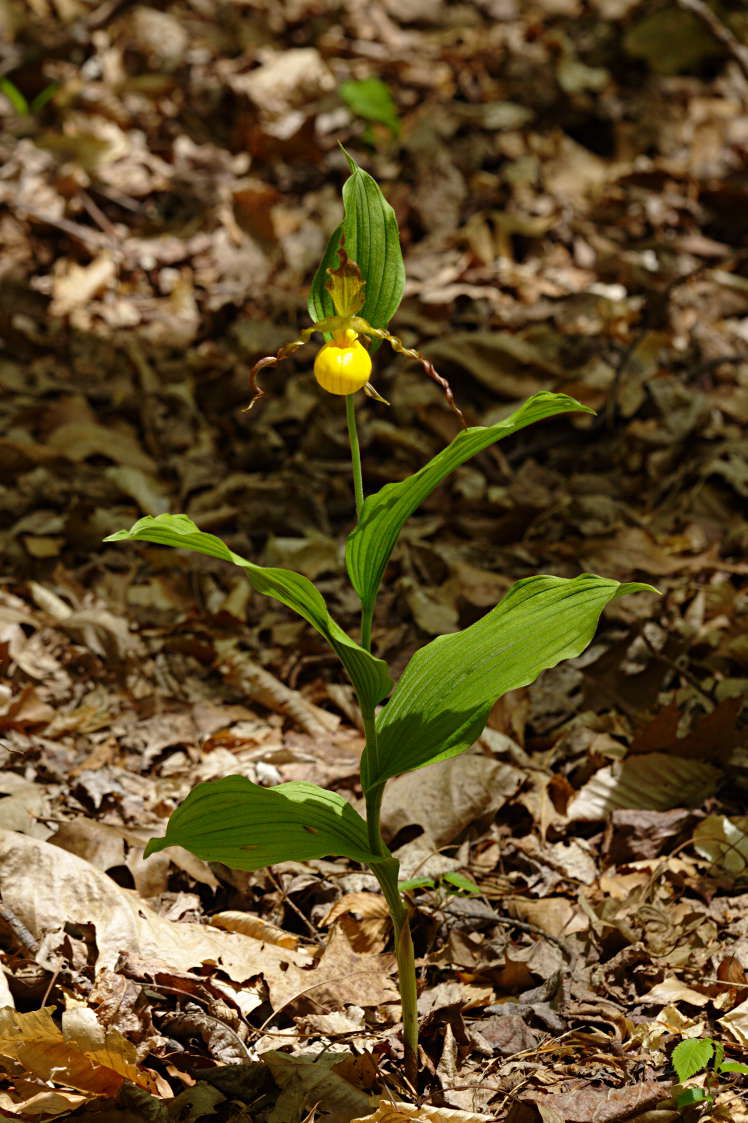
x=234, y=921
x=364, y=918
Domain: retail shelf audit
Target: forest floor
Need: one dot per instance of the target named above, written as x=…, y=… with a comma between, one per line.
x=570, y=183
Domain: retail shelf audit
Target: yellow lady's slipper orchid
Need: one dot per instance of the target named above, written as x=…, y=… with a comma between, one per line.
x=343, y=365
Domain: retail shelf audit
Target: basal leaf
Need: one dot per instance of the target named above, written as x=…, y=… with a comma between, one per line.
x=372, y=240
x=442, y=701
x=371, y=542
x=247, y=827
x=368, y=674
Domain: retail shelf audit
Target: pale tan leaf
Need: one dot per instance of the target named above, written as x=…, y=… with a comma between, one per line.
x=736, y=1023
x=46, y=887
x=395, y=1112
x=654, y=781
x=673, y=990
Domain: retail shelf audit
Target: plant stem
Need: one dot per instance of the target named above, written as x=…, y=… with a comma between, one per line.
x=358, y=482
x=367, y=613
x=386, y=873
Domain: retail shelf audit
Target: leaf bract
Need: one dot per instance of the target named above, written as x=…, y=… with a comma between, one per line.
x=372, y=240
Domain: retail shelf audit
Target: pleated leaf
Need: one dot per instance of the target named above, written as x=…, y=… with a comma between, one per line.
x=247, y=827
x=372, y=240
x=443, y=699
x=371, y=542
x=368, y=674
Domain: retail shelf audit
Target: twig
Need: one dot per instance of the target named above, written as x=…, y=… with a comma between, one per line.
x=271, y=692
x=721, y=32
x=525, y=926
x=19, y=929
x=684, y=672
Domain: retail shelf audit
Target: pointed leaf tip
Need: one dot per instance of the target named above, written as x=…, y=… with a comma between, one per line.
x=372, y=240
x=368, y=674
x=444, y=696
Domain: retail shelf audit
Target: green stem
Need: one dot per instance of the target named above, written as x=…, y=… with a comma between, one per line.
x=358, y=481
x=367, y=612
x=386, y=873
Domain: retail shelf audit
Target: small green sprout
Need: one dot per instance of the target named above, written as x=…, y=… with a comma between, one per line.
x=20, y=103
x=705, y=1055
x=371, y=99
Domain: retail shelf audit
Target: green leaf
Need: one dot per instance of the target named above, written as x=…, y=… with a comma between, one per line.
x=691, y=1056
x=371, y=99
x=416, y=883
x=442, y=701
x=43, y=97
x=247, y=827
x=13, y=94
x=461, y=884
x=372, y=240
x=733, y=1066
x=370, y=544
x=691, y=1096
x=368, y=674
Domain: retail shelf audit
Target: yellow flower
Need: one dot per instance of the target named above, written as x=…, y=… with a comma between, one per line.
x=343, y=365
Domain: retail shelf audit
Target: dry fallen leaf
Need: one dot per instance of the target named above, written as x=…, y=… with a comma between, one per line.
x=46, y=887
x=81, y=1055
x=653, y=781
x=311, y=1079
x=395, y=1112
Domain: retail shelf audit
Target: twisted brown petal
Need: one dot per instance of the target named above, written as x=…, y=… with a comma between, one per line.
x=397, y=345
x=269, y=361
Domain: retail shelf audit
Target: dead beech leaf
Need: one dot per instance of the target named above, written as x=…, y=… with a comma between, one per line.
x=42, y=1103
x=448, y=797
x=342, y=977
x=82, y=1054
x=364, y=918
x=598, y=1105
x=672, y=990
x=724, y=842
x=389, y=1112
x=79, y=440
x=736, y=1023
x=46, y=887
x=653, y=781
